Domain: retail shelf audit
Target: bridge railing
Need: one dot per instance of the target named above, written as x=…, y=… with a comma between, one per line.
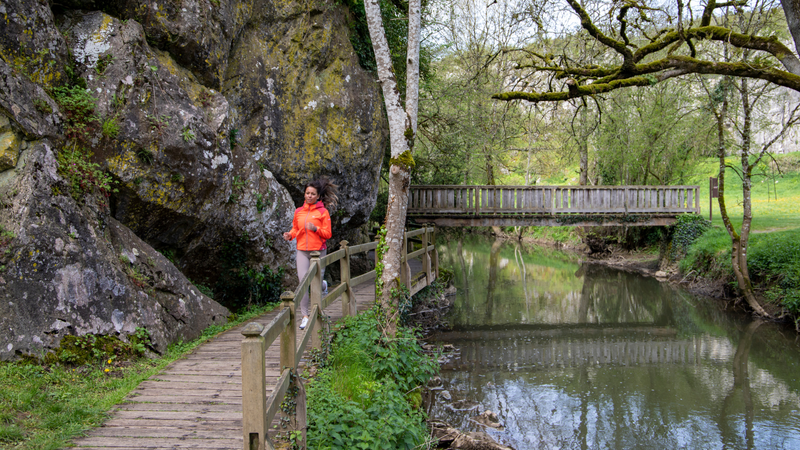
x=553, y=200
x=258, y=411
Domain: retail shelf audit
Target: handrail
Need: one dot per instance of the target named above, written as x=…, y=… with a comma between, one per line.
x=553, y=200
x=258, y=410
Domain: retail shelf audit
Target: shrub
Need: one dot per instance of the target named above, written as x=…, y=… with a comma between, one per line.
x=239, y=285
x=368, y=394
x=78, y=106
x=774, y=258
x=686, y=230
x=82, y=175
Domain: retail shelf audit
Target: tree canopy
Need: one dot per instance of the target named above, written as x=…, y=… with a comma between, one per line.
x=641, y=43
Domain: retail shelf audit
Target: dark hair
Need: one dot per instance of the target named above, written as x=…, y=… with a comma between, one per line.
x=328, y=192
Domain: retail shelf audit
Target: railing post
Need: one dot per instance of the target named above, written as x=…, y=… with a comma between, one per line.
x=254, y=389
x=316, y=299
x=289, y=360
x=405, y=274
x=435, y=255
x=289, y=335
x=348, y=299
x=426, y=261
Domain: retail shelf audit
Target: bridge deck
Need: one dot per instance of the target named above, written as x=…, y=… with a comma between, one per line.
x=196, y=402
x=551, y=205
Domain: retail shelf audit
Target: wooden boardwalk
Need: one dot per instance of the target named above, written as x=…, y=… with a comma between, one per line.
x=196, y=402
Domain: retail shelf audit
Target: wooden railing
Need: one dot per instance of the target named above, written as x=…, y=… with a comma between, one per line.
x=553, y=200
x=258, y=411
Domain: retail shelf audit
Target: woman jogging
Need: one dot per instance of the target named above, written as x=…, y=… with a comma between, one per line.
x=312, y=227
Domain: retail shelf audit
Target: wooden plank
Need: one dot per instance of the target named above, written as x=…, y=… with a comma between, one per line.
x=177, y=415
x=168, y=432
x=197, y=407
x=363, y=248
x=143, y=443
x=369, y=276
x=331, y=258
x=177, y=423
x=172, y=385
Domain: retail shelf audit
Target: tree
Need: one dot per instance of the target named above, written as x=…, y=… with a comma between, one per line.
x=651, y=43
x=402, y=132
x=461, y=128
x=651, y=135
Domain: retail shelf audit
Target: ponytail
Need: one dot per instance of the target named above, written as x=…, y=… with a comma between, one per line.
x=327, y=190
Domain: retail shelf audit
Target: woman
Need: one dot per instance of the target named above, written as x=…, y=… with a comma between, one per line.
x=312, y=227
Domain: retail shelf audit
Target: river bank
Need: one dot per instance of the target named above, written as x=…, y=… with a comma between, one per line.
x=701, y=266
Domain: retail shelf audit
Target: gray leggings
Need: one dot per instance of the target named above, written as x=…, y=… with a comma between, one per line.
x=303, y=261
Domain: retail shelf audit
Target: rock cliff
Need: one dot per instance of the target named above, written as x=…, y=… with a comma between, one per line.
x=131, y=129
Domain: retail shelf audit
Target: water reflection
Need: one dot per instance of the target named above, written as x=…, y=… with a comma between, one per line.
x=581, y=356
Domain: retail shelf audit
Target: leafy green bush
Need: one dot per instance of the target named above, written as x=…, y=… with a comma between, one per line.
x=686, y=230
x=368, y=396
x=710, y=255
x=92, y=349
x=774, y=258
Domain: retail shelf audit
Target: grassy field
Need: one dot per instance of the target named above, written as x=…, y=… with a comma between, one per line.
x=775, y=197
x=45, y=406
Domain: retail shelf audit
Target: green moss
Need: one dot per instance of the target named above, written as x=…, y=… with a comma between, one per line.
x=404, y=160
x=90, y=348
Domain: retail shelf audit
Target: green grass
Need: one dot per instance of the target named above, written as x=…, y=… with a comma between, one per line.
x=45, y=406
x=775, y=198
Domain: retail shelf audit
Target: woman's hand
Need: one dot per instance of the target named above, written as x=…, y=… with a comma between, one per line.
x=287, y=236
x=310, y=226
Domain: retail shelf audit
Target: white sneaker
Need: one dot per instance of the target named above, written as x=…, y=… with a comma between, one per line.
x=324, y=287
x=303, y=323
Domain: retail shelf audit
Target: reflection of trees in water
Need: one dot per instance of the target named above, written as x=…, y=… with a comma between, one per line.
x=492, y=285
x=651, y=367
x=613, y=296
x=741, y=384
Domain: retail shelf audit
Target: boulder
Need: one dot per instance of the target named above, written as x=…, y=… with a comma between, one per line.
x=66, y=269
x=489, y=419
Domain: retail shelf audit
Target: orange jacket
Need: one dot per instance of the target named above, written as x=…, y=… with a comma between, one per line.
x=311, y=240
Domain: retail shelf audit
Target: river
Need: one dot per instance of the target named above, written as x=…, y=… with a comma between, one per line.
x=580, y=356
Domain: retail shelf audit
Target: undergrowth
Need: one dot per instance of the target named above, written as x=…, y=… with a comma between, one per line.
x=369, y=394
x=773, y=261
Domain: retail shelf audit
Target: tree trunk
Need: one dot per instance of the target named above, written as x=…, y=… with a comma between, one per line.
x=791, y=9
x=738, y=243
x=583, y=149
x=402, y=128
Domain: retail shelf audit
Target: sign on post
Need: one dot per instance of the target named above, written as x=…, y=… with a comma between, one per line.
x=713, y=192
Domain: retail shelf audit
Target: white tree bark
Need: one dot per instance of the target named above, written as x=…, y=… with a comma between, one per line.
x=412, y=61
x=402, y=127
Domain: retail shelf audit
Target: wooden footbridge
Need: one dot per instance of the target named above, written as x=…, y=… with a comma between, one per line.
x=227, y=393
x=551, y=205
